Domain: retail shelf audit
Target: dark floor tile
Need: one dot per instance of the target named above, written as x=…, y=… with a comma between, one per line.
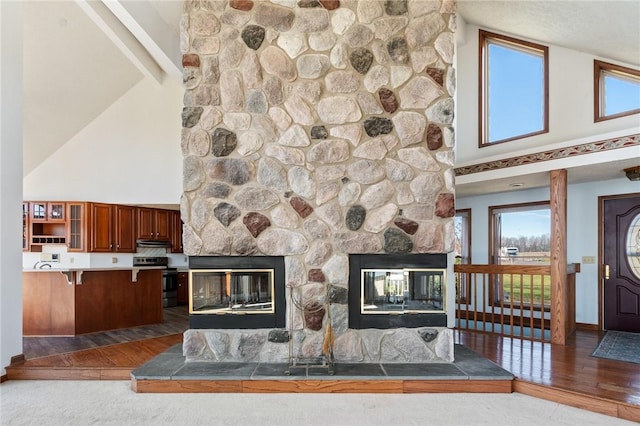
x=433, y=370
x=353, y=370
x=203, y=370
x=462, y=352
x=162, y=367
x=278, y=370
x=175, y=349
x=481, y=369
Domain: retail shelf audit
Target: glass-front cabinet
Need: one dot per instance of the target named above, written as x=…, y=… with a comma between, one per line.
x=47, y=211
x=76, y=226
x=25, y=226
x=229, y=291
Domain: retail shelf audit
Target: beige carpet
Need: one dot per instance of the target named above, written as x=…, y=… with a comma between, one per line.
x=113, y=403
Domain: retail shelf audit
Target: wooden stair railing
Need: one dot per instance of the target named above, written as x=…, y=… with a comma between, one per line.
x=511, y=300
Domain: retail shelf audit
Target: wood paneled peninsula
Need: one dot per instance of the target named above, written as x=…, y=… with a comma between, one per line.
x=68, y=301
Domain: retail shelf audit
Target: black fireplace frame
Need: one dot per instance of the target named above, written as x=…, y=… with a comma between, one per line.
x=248, y=321
x=357, y=320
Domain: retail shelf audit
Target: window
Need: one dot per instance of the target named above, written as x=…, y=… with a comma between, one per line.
x=462, y=250
x=462, y=228
x=520, y=235
x=616, y=91
x=513, y=89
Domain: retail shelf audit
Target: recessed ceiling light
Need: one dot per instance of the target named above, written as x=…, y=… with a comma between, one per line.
x=516, y=184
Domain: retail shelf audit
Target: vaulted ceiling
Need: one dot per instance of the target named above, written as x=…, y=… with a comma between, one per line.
x=81, y=56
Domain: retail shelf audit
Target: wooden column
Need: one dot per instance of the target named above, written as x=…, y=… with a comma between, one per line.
x=558, y=200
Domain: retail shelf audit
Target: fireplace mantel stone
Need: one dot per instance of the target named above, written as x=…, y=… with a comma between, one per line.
x=313, y=133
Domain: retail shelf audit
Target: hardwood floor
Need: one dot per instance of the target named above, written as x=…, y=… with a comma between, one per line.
x=566, y=374
x=175, y=321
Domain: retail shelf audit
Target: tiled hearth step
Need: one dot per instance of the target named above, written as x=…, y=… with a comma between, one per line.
x=470, y=372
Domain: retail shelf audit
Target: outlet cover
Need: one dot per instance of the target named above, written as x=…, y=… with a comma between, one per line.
x=114, y=260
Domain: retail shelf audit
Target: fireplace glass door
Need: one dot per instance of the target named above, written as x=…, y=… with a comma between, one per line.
x=398, y=291
x=239, y=291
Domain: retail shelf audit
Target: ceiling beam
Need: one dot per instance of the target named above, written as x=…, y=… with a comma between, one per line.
x=122, y=38
x=160, y=39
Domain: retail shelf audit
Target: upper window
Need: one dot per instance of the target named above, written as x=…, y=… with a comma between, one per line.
x=513, y=89
x=616, y=90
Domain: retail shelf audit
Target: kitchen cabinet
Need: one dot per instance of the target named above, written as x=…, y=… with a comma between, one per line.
x=154, y=224
x=63, y=304
x=183, y=288
x=97, y=227
x=125, y=234
x=47, y=211
x=76, y=226
x=26, y=224
x=45, y=224
x=176, y=232
x=111, y=228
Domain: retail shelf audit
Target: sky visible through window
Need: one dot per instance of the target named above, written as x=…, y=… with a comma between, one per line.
x=620, y=95
x=516, y=104
x=526, y=223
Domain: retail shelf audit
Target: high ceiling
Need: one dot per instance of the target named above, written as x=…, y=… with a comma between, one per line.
x=80, y=56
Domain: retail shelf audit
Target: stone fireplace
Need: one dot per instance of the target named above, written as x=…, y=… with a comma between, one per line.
x=315, y=133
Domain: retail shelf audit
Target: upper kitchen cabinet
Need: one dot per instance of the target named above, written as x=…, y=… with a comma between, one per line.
x=176, y=232
x=26, y=224
x=47, y=211
x=111, y=228
x=125, y=229
x=76, y=226
x=154, y=224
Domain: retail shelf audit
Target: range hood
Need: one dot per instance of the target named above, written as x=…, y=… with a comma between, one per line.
x=153, y=243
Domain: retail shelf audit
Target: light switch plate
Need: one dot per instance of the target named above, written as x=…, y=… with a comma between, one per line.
x=588, y=259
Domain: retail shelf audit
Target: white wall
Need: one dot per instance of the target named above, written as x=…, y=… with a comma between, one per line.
x=570, y=103
x=582, y=231
x=10, y=182
x=130, y=154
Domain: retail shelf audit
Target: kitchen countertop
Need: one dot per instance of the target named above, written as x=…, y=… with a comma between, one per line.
x=70, y=272
x=90, y=269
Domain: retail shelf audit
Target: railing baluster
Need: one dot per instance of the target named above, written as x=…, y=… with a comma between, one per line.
x=475, y=302
x=542, y=307
x=531, y=310
x=485, y=304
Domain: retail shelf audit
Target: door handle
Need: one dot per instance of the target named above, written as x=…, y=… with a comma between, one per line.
x=606, y=272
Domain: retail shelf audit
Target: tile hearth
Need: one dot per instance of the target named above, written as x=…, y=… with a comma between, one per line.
x=169, y=368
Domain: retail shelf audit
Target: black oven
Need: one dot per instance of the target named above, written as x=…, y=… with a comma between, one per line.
x=169, y=287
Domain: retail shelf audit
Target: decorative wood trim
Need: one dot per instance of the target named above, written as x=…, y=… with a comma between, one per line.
x=588, y=327
x=457, y=386
x=322, y=386
x=553, y=154
x=559, y=290
x=18, y=359
x=3, y=378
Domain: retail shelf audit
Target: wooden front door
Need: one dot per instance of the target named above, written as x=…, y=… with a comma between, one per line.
x=621, y=258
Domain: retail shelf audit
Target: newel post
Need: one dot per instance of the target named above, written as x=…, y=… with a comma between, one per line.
x=558, y=201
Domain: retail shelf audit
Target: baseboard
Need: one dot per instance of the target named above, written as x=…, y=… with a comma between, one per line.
x=15, y=360
x=18, y=359
x=587, y=327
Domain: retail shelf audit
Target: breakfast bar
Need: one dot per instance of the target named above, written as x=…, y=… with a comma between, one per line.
x=67, y=302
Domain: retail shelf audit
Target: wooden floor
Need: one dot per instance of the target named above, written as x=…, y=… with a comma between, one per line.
x=566, y=374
